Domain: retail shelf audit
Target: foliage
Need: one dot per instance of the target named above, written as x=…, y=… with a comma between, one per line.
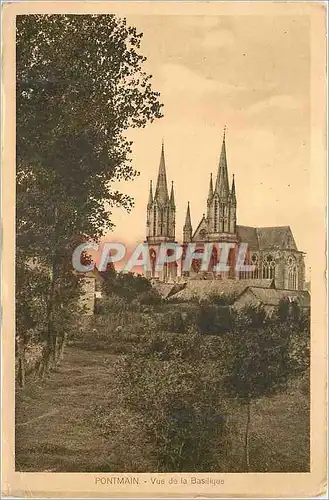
x=259, y=364
x=173, y=387
x=80, y=86
x=149, y=298
x=250, y=317
x=111, y=304
x=32, y=285
x=173, y=322
x=129, y=286
x=223, y=298
x=213, y=319
x=177, y=404
x=264, y=357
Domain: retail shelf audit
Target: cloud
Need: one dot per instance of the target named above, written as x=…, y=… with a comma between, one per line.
x=200, y=21
x=180, y=78
x=285, y=102
x=218, y=38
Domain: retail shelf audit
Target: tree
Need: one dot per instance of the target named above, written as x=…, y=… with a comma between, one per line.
x=260, y=361
x=31, y=309
x=80, y=86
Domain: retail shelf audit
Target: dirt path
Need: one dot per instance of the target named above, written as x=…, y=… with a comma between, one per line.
x=54, y=423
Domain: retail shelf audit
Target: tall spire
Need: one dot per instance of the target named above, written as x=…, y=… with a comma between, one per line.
x=188, y=223
x=172, y=195
x=187, y=228
x=222, y=185
x=211, y=190
x=150, y=202
x=161, y=192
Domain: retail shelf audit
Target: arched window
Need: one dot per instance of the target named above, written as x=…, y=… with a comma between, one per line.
x=246, y=275
x=152, y=259
x=213, y=259
x=269, y=267
x=222, y=219
x=292, y=273
x=216, y=216
x=254, y=262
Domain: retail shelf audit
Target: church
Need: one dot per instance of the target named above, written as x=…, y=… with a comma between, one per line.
x=272, y=251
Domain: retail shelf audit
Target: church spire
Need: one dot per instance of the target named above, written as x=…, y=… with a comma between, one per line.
x=222, y=185
x=188, y=216
x=172, y=195
x=161, y=192
x=150, y=202
x=211, y=190
x=187, y=228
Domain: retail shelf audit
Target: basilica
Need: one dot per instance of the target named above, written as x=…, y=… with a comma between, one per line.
x=272, y=251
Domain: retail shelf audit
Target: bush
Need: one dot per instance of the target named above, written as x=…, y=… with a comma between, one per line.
x=222, y=299
x=173, y=404
x=172, y=322
x=112, y=304
x=251, y=317
x=128, y=286
x=149, y=298
x=212, y=319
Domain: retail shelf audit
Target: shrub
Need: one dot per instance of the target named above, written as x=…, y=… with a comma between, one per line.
x=250, y=317
x=212, y=319
x=172, y=322
x=222, y=299
x=128, y=286
x=112, y=304
x=149, y=298
x=173, y=404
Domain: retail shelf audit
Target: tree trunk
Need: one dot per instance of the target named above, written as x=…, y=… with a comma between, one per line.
x=21, y=363
x=246, y=440
x=61, y=343
x=48, y=354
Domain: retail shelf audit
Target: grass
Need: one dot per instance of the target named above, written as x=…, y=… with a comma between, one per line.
x=67, y=440
x=56, y=430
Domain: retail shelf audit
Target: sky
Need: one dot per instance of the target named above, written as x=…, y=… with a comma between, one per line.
x=250, y=73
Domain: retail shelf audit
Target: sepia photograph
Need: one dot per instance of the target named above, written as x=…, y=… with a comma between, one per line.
x=164, y=231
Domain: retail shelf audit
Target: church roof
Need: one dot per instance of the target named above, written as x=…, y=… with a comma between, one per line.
x=276, y=238
x=202, y=225
x=248, y=235
x=267, y=238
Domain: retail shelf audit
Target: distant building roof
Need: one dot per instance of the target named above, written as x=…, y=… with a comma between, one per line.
x=166, y=290
x=203, y=289
x=272, y=296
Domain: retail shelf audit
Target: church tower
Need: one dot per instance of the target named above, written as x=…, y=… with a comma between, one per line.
x=160, y=218
x=221, y=201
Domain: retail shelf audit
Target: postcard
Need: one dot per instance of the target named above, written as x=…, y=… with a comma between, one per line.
x=164, y=294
